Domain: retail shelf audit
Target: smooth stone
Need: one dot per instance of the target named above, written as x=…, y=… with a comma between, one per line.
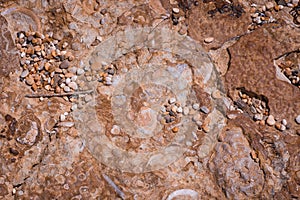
x=88, y=98
x=80, y=71
x=24, y=73
x=258, y=117
x=73, y=85
x=270, y=120
x=179, y=110
x=175, y=10
x=204, y=109
x=186, y=110
x=62, y=118
x=297, y=119
x=284, y=122
x=196, y=106
x=64, y=65
x=67, y=89
x=172, y=100
x=209, y=40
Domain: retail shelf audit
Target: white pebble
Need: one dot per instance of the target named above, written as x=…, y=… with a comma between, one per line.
x=80, y=71
x=284, y=122
x=73, y=85
x=179, y=110
x=67, y=89
x=186, y=110
x=62, y=118
x=175, y=10
x=88, y=98
x=172, y=100
x=209, y=40
x=298, y=119
x=196, y=106
x=271, y=120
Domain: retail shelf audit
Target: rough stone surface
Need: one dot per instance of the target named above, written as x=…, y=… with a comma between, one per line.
x=108, y=138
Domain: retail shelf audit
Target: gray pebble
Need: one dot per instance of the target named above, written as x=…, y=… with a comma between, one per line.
x=24, y=73
x=196, y=106
x=298, y=119
x=258, y=117
x=80, y=71
x=88, y=98
x=204, y=109
x=64, y=65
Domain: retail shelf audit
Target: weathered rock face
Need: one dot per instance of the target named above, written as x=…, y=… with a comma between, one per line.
x=9, y=60
x=133, y=98
x=236, y=172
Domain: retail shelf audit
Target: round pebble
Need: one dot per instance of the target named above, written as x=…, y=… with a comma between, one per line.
x=62, y=118
x=67, y=89
x=179, y=110
x=271, y=120
x=73, y=85
x=196, y=106
x=80, y=71
x=175, y=10
x=64, y=65
x=297, y=119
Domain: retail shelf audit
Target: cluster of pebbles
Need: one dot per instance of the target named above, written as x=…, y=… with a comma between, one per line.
x=291, y=71
x=46, y=63
x=259, y=111
x=107, y=73
x=172, y=112
x=263, y=14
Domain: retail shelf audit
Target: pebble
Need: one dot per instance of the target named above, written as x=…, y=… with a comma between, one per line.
x=88, y=98
x=284, y=122
x=186, y=110
x=66, y=124
x=62, y=117
x=216, y=94
x=269, y=5
x=24, y=73
x=196, y=106
x=175, y=129
x=115, y=130
x=80, y=71
x=258, y=117
x=179, y=110
x=67, y=89
x=297, y=119
x=73, y=85
x=29, y=80
x=174, y=109
x=271, y=120
x=172, y=100
x=64, y=65
x=209, y=40
x=204, y=109
x=175, y=10
x=74, y=107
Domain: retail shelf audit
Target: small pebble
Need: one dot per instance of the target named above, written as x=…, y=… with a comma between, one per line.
x=24, y=73
x=186, y=110
x=67, y=89
x=271, y=120
x=74, y=107
x=80, y=71
x=179, y=110
x=258, y=117
x=66, y=124
x=175, y=129
x=172, y=100
x=73, y=85
x=196, y=106
x=284, y=122
x=88, y=98
x=65, y=64
x=297, y=119
x=204, y=109
x=175, y=10
x=209, y=40
x=174, y=109
x=62, y=118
